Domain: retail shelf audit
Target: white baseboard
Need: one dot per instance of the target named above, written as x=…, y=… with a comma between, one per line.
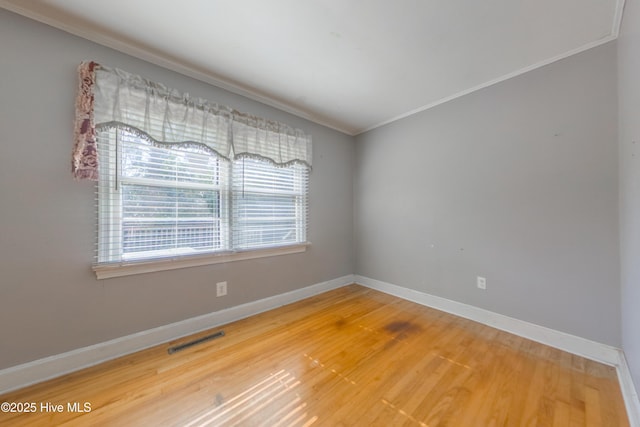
x=50, y=367
x=54, y=366
x=570, y=343
x=567, y=342
x=631, y=400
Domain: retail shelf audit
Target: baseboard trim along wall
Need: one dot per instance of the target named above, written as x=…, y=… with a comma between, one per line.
x=570, y=343
x=629, y=392
x=54, y=366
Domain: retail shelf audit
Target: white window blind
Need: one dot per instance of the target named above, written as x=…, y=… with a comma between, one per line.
x=158, y=201
x=269, y=204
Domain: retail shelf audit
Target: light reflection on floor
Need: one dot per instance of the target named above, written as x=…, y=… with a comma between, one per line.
x=241, y=408
x=403, y=413
x=252, y=405
x=316, y=362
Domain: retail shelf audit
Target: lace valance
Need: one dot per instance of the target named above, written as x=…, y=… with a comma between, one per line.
x=110, y=98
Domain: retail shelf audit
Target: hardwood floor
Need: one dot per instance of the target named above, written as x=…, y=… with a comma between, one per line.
x=349, y=357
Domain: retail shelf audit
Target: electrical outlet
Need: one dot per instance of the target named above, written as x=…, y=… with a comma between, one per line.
x=221, y=289
x=481, y=282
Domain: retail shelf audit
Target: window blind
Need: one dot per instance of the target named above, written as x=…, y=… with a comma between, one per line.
x=269, y=204
x=159, y=200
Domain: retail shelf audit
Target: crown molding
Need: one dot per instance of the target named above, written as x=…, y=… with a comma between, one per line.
x=84, y=31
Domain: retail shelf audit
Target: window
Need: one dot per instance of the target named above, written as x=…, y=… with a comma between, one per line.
x=269, y=204
x=160, y=201
x=183, y=181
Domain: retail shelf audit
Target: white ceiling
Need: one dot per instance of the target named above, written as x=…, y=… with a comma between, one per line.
x=352, y=65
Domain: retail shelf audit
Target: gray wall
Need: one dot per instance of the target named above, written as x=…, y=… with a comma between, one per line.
x=50, y=301
x=517, y=183
x=629, y=121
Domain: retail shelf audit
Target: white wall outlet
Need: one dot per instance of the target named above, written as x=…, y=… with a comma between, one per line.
x=221, y=289
x=481, y=282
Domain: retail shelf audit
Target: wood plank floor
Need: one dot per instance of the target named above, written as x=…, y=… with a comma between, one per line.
x=349, y=357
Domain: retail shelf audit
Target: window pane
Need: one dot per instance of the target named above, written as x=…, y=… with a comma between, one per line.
x=141, y=201
x=263, y=220
x=143, y=159
x=257, y=176
x=160, y=201
x=269, y=204
x=163, y=218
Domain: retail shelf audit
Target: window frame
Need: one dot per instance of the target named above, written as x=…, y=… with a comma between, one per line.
x=297, y=194
x=111, y=153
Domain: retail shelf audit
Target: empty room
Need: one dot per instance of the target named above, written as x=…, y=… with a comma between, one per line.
x=320, y=213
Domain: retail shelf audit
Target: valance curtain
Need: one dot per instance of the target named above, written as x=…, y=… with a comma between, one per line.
x=112, y=98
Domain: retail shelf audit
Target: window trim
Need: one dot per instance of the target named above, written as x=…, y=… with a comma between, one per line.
x=111, y=184
x=107, y=271
x=300, y=197
x=122, y=267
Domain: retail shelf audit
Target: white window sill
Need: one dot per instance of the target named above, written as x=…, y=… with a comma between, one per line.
x=107, y=271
